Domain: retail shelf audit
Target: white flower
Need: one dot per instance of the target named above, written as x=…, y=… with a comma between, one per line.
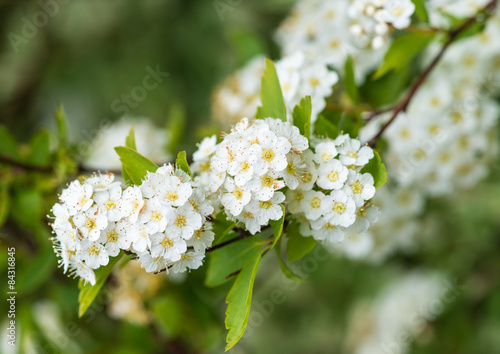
x=351, y=153
x=397, y=12
x=183, y=221
x=85, y=272
x=206, y=148
x=91, y=222
x=235, y=198
x=265, y=185
x=310, y=174
x=343, y=211
x=93, y=254
x=294, y=171
x=365, y=217
x=325, y=152
x=264, y=211
x=108, y=200
x=271, y=152
x=202, y=239
x=154, y=216
x=131, y=203
x=248, y=217
x=77, y=197
x=114, y=239
x=297, y=141
x=140, y=237
x=315, y=204
x=150, y=264
x=169, y=246
x=175, y=192
x=62, y=216
x=200, y=202
x=101, y=183
x=191, y=260
x=359, y=187
x=332, y=175
x=326, y=231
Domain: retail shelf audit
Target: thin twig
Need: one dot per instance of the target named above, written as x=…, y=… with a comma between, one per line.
x=452, y=35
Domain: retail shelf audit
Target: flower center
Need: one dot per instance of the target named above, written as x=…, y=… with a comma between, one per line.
x=156, y=216
x=172, y=196
x=357, y=187
x=167, y=243
x=333, y=176
x=267, y=181
x=245, y=166
x=315, y=203
x=90, y=224
x=112, y=236
x=328, y=226
x=110, y=204
x=265, y=205
x=352, y=154
x=314, y=82
x=268, y=155
x=326, y=156
x=180, y=221
x=83, y=201
x=93, y=250
x=238, y=193
x=307, y=177
x=291, y=168
x=248, y=215
x=339, y=208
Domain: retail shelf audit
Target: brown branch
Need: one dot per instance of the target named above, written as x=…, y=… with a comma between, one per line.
x=452, y=36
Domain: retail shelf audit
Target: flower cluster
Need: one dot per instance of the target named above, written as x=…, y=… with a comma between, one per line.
x=162, y=221
x=299, y=76
x=374, y=20
x=248, y=168
x=331, y=198
x=322, y=31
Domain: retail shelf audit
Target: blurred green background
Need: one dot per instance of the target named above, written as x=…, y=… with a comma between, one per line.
x=89, y=54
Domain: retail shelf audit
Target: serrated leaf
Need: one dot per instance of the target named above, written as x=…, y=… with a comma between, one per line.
x=136, y=166
x=285, y=269
x=302, y=116
x=229, y=259
x=277, y=226
x=350, y=81
x=421, y=10
x=297, y=246
x=239, y=300
x=130, y=139
x=402, y=50
x=376, y=168
x=88, y=292
x=273, y=104
x=181, y=162
x=323, y=127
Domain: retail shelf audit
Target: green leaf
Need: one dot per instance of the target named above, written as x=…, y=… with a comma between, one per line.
x=377, y=169
x=323, y=127
x=88, y=292
x=181, y=162
x=39, y=148
x=402, y=50
x=350, y=81
x=239, y=300
x=302, y=116
x=285, y=269
x=136, y=166
x=420, y=10
x=297, y=246
x=388, y=89
x=229, y=259
x=273, y=104
x=277, y=226
x=130, y=139
x=62, y=126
